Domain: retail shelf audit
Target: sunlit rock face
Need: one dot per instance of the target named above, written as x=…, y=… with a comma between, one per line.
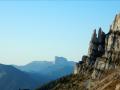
x=116, y=23
x=117, y=87
x=103, y=52
x=112, y=51
x=113, y=37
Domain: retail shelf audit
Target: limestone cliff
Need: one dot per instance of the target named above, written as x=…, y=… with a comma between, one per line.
x=103, y=52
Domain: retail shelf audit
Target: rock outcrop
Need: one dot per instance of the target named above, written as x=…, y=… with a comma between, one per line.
x=96, y=49
x=116, y=24
x=103, y=52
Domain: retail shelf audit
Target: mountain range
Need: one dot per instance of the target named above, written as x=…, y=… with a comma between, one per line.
x=48, y=70
x=34, y=74
x=14, y=79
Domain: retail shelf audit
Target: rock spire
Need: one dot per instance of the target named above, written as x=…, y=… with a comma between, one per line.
x=103, y=52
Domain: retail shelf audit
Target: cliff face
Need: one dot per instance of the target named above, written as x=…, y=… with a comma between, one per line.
x=103, y=52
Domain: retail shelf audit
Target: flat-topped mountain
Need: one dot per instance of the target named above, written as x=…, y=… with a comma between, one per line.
x=46, y=71
x=100, y=68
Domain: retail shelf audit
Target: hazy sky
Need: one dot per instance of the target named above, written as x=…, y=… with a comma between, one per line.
x=39, y=30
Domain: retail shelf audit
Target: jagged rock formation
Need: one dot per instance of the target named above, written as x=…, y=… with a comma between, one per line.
x=103, y=53
x=100, y=69
x=116, y=24
x=95, y=51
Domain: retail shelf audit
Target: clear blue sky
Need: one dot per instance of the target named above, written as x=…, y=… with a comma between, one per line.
x=39, y=30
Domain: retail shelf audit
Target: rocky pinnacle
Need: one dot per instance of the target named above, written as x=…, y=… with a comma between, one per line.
x=103, y=52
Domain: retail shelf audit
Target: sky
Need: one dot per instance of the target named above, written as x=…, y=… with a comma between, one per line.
x=37, y=30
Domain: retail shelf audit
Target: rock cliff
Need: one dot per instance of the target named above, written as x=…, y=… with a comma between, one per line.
x=103, y=52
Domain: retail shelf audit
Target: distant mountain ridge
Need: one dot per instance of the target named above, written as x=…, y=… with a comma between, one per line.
x=34, y=66
x=13, y=79
x=34, y=74
x=46, y=71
